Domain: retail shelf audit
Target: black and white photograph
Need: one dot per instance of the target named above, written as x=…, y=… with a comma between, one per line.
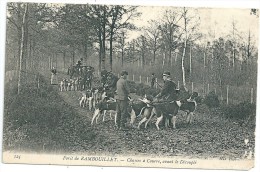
x=129, y=85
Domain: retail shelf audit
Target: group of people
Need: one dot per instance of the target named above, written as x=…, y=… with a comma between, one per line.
x=119, y=89
x=168, y=93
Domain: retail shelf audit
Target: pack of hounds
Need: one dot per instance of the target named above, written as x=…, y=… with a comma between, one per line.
x=97, y=100
x=73, y=84
x=100, y=103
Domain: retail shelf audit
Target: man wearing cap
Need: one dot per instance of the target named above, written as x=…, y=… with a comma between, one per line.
x=168, y=91
x=121, y=97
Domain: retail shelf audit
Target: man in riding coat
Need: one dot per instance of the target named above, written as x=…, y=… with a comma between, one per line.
x=168, y=92
x=122, y=93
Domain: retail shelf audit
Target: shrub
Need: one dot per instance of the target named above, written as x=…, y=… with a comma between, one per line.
x=37, y=117
x=211, y=100
x=199, y=100
x=240, y=111
x=140, y=91
x=132, y=86
x=152, y=91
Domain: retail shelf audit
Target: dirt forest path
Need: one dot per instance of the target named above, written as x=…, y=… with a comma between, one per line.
x=209, y=135
x=108, y=139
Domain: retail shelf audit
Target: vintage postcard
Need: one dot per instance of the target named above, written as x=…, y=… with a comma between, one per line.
x=127, y=85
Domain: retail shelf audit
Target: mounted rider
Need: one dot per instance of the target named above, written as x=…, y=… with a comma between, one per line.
x=79, y=63
x=168, y=92
x=88, y=77
x=79, y=66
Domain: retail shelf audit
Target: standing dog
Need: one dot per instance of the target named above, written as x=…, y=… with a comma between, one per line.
x=109, y=104
x=189, y=106
x=101, y=108
x=85, y=99
x=169, y=111
x=64, y=85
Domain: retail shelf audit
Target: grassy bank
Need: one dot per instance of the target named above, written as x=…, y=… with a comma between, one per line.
x=38, y=120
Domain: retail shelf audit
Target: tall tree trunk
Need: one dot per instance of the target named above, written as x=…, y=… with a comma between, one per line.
x=85, y=51
x=56, y=60
x=100, y=51
x=19, y=48
x=220, y=85
x=26, y=61
x=23, y=49
x=190, y=62
x=30, y=61
x=111, y=51
x=73, y=57
x=143, y=52
x=64, y=59
x=184, y=49
x=122, y=57
x=234, y=60
x=182, y=64
x=154, y=56
x=33, y=53
x=170, y=55
x=50, y=62
x=104, y=40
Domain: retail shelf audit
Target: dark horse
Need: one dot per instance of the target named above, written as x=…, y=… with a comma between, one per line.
x=75, y=71
x=88, y=77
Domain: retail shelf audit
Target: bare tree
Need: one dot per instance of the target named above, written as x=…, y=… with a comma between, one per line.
x=119, y=18
x=190, y=29
x=23, y=48
x=121, y=45
x=141, y=47
x=153, y=34
x=171, y=34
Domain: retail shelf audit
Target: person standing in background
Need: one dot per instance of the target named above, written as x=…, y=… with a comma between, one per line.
x=54, y=79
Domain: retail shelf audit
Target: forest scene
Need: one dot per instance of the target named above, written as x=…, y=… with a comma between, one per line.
x=214, y=57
